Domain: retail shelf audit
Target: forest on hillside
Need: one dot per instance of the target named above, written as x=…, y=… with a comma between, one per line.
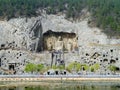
x=105, y=13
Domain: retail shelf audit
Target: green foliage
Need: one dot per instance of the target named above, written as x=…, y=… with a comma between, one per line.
x=54, y=67
x=61, y=67
x=92, y=69
x=105, y=13
x=74, y=65
x=95, y=67
x=40, y=67
x=112, y=68
x=34, y=68
x=30, y=67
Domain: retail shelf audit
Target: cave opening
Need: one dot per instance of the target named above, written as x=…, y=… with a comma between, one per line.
x=2, y=45
x=112, y=61
x=56, y=72
x=60, y=41
x=105, y=60
x=11, y=67
x=0, y=62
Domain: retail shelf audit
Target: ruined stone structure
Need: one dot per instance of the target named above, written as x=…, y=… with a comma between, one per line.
x=57, y=58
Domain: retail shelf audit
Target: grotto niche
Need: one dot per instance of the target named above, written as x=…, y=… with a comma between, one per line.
x=60, y=41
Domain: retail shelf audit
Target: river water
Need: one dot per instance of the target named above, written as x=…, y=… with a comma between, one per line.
x=83, y=85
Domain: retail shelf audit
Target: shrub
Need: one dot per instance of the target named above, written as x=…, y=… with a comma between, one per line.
x=95, y=67
x=73, y=65
x=30, y=67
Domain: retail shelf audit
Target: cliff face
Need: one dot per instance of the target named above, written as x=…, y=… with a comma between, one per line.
x=19, y=34
x=45, y=33
x=22, y=35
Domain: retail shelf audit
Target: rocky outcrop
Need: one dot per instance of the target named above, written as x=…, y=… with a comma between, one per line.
x=19, y=34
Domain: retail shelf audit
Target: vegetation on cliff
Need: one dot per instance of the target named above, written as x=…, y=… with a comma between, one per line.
x=105, y=13
x=30, y=67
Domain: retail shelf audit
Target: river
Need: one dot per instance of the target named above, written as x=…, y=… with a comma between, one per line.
x=70, y=85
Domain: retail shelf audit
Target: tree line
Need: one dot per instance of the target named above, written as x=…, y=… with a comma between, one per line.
x=105, y=13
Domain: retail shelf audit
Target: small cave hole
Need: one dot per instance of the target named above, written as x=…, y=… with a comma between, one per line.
x=56, y=72
x=0, y=62
x=112, y=61
x=87, y=54
x=116, y=58
x=94, y=62
x=105, y=60
x=117, y=68
x=83, y=68
x=2, y=45
x=20, y=54
x=13, y=42
x=103, y=55
x=11, y=67
x=65, y=72
x=111, y=50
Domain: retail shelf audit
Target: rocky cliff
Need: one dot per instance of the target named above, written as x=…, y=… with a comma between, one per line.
x=20, y=33
x=24, y=40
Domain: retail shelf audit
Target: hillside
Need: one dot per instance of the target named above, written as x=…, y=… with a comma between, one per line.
x=105, y=13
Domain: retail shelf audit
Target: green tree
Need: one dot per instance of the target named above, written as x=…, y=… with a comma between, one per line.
x=61, y=67
x=113, y=68
x=104, y=13
x=40, y=68
x=95, y=67
x=74, y=65
x=30, y=67
x=54, y=67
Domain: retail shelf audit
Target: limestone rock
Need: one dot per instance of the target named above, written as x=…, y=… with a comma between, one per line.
x=18, y=37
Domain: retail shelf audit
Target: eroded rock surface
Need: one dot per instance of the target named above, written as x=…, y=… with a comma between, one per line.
x=21, y=40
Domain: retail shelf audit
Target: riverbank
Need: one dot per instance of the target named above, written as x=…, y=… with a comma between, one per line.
x=59, y=79
x=58, y=85
x=14, y=83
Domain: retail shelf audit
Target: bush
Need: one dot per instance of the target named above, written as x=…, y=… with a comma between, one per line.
x=113, y=68
x=40, y=68
x=95, y=67
x=34, y=68
x=74, y=65
x=30, y=67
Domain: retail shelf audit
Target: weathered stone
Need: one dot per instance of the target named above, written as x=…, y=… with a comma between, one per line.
x=20, y=40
